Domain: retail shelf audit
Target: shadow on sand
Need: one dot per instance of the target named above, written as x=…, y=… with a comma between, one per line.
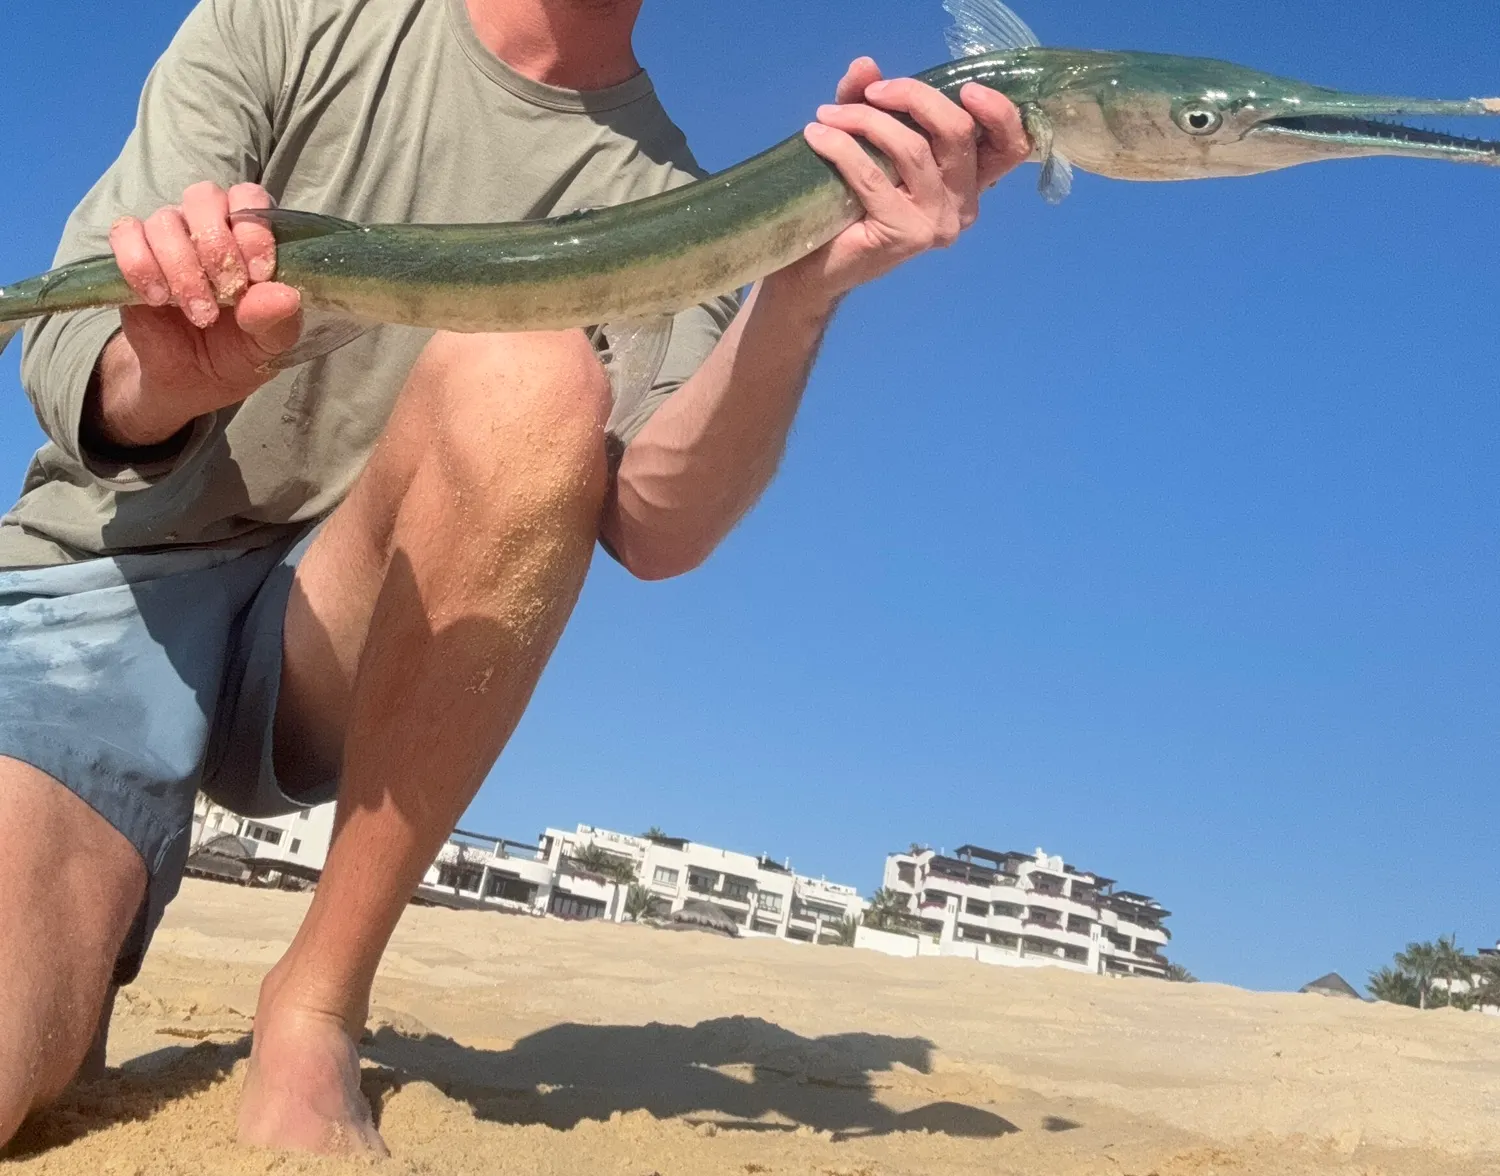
x=133, y=1093
x=740, y=1073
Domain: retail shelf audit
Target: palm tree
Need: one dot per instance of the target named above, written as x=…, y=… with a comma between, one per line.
x=1487, y=977
x=888, y=911
x=638, y=902
x=1180, y=975
x=847, y=929
x=599, y=861
x=1452, y=965
x=1394, y=987
x=917, y=850
x=654, y=833
x=460, y=860
x=1420, y=962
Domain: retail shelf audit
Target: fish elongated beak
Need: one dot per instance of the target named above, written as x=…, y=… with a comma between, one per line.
x=1350, y=126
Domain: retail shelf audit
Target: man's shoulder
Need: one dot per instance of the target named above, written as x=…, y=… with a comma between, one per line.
x=302, y=24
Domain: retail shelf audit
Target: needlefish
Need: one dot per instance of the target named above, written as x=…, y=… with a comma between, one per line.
x=1124, y=115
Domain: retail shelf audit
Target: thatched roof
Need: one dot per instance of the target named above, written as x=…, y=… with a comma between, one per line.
x=1331, y=985
x=228, y=845
x=707, y=917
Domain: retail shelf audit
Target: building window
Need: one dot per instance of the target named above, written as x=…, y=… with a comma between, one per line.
x=565, y=906
x=664, y=876
x=296, y=846
x=262, y=833
x=701, y=883
x=769, y=902
x=1079, y=925
x=1009, y=909
x=465, y=877
x=974, y=907
x=737, y=889
x=303, y=815
x=510, y=887
x=907, y=872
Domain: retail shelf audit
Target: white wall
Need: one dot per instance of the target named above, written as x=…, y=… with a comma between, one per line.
x=887, y=942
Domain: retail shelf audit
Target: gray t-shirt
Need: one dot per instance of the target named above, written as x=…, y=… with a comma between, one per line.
x=385, y=110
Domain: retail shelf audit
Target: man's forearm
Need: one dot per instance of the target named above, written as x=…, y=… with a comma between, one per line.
x=705, y=457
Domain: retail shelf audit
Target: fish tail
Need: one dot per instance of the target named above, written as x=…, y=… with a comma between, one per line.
x=89, y=282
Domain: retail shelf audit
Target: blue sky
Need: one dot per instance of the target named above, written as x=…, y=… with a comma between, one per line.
x=1158, y=529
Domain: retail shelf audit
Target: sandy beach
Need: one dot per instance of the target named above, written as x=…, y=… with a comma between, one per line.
x=514, y=1045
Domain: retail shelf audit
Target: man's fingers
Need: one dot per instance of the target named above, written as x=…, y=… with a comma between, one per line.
x=1004, y=144
x=951, y=134
x=271, y=314
x=860, y=172
x=167, y=234
x=904, y=147
x=257, y=245
x=205, y=208
x=127, y=240
x=861, y=75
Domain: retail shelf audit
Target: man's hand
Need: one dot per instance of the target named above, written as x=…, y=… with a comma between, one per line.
x=965, y=150
x=211, y=322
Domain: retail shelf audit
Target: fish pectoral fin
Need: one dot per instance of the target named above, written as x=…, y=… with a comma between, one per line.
x=288, y=224
x=634, y=351
x=1056, y=180
x=985, y=26
x=323, y=333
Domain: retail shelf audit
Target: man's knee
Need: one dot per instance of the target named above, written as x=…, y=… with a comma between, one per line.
x=69, y=887
x=506, y=412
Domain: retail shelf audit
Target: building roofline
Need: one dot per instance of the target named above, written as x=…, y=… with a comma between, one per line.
x=991, y=855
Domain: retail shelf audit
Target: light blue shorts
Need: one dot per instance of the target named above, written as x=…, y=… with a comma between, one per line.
x=137, y=681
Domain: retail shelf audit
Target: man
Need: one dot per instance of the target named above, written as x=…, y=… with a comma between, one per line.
x=351, y=575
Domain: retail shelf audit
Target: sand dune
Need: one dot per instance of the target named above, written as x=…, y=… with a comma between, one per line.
x=510, y=1045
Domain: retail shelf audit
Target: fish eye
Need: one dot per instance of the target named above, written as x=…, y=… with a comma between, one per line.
x=1200, y=120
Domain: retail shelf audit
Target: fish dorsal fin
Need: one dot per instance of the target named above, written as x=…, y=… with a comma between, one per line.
x=287, y=224
x=985, y=26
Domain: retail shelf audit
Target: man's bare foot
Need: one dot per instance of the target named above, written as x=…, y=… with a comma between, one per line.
x=302, y=1089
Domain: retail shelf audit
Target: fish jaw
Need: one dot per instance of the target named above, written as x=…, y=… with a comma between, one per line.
x=1357, y=127
x=1146, y=116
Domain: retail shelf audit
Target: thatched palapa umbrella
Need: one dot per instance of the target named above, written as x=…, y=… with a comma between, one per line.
x=697, y=915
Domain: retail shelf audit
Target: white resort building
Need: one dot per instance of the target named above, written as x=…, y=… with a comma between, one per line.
x=583, y=874
x=763, y=896
x=1015, y=909
x=301, y=839
x=1018, y=909
x=587, y=874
